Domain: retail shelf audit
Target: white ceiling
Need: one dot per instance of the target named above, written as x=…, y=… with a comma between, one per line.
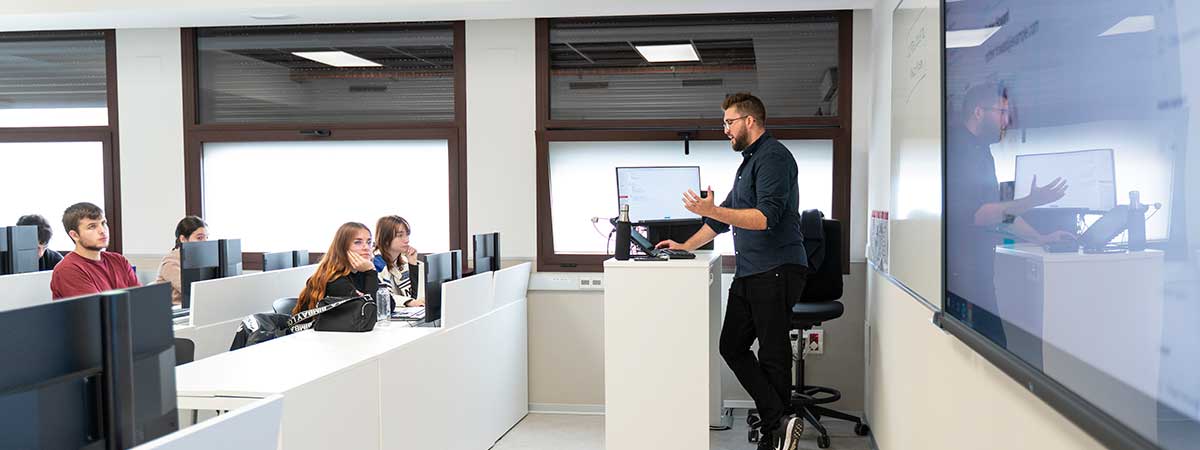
x=93, y=14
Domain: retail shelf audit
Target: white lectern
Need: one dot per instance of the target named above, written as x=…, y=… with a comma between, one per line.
x=662, y=378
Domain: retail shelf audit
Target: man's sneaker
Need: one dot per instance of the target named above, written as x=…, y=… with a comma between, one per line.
x=788, y=434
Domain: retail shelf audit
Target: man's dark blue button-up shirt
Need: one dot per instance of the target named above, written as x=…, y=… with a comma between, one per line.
x=766, y=181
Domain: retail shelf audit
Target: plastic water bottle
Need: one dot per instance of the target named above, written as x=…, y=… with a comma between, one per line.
x=383, y=306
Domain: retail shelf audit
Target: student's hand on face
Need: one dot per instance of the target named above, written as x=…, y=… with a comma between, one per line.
x=1050, y=193
x=360, y=264
x=410, y=255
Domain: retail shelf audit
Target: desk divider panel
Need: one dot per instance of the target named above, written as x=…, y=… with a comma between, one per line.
x=254, y=426
x=511, y=284
x=465, y=299
x=24, y=289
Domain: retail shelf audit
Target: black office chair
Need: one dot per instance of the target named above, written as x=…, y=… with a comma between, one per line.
x=185, y=351
x=819, y=303
x=284, y=305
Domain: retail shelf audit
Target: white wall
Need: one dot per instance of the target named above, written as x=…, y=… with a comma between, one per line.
x=150, y=108
x=925, y=388
x=501, y=119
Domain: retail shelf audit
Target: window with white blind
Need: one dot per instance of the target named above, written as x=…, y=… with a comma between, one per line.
x=583, y=182
x=294, y=195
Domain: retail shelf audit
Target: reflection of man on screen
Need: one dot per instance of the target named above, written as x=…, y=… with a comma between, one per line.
x=975, y=212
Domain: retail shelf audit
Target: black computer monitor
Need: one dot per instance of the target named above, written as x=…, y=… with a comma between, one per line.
x=278, y=261
x=229, y=253
x=19, y=252
x=3, y=250
x=486, y=252
x=152, y=338
x=300, y=258
x=439, y=268
x=51, y=384
x=198, y=261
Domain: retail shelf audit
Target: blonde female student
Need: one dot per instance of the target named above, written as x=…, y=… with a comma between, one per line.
x=345, y=270
x=396, y=261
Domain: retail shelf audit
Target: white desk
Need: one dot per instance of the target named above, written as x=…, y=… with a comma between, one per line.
x=1091, y=311
x=662, y=379
x=458, y=387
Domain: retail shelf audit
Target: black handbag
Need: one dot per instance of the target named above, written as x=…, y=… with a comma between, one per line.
x=354, y=315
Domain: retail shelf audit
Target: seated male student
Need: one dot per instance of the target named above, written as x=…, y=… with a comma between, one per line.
x=89, y=269
x=47, y=258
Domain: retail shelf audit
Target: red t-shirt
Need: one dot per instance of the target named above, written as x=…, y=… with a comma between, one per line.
x=76, y=275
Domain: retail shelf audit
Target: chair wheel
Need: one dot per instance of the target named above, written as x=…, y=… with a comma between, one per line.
x=823, y=441
x=753, y=435
x=862, y=429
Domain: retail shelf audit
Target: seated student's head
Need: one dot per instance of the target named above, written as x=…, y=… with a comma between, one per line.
x=391, y=237
x=350, y=237
x=86, y=225
x=190, y=229
x=44, y=230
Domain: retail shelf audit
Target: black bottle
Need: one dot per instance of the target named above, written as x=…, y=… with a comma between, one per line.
x=622, y=245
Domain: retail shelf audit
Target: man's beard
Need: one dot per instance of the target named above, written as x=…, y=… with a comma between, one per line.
x=94, y=248
x=991, y=133
x=739, y=143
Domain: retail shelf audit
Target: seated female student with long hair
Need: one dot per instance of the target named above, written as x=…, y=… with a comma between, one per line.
x=189, y=229
x=396, y=261
x=345, y=271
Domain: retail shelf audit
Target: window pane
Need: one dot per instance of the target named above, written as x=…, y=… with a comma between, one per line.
x=405, y=73
x=583, y=182
x=56, y=175
x=54, y=78
x=294, y=195
x=787, y=60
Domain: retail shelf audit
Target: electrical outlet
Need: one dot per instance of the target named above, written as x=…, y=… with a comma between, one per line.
x=591, y=283
x=814, y=341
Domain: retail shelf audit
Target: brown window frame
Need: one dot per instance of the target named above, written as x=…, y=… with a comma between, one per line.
x=107, y=135
x=835, y=128
x=454, y=132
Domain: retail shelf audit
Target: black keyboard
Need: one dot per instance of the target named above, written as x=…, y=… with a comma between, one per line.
x=674, y=254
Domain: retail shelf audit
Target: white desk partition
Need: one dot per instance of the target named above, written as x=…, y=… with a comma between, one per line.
x=511, y=284
x=466, y=299
x=255, y=426
x=396, y=387
x=461, y=388
x=24, y=289
x=218, y=306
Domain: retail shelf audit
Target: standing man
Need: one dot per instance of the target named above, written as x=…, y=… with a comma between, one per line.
x=763, y=210
x=976, y=216
x=89, y=269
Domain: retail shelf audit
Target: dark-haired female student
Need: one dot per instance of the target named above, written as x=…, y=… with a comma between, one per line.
x=396, y=261
x=189, y=229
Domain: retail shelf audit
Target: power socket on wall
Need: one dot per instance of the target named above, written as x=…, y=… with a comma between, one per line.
x=814, y=341
x=591, y=282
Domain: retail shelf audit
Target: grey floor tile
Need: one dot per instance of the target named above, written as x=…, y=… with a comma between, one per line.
x=570, y=432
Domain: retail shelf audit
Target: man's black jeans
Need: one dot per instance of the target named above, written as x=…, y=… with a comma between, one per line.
x=760, y=307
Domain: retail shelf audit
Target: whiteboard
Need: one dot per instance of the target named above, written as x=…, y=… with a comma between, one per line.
x=915, y=220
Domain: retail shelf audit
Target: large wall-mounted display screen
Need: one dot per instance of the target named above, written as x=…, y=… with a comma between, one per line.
x=1072, y=198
